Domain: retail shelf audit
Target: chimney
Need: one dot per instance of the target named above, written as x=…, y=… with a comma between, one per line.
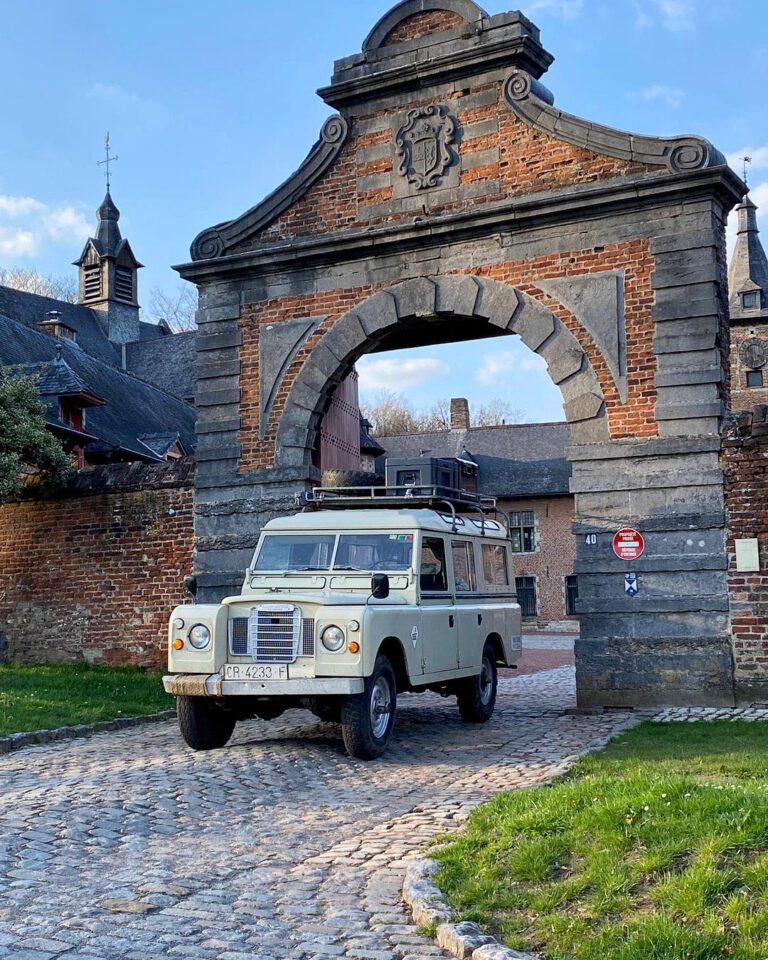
x=459, y=414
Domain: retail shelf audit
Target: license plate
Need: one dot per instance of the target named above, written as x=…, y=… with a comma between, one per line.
x=255, y=671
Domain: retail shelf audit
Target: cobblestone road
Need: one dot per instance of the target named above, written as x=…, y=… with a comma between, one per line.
x=129, y=845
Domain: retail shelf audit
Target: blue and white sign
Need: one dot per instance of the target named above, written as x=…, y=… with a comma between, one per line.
x=631, y=586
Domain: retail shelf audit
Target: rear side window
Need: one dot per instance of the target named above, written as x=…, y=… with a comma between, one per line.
x=495, y=569
x=464, y=566
x=432, y=573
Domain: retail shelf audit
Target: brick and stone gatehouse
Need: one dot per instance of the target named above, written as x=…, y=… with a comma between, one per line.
x=450, y=199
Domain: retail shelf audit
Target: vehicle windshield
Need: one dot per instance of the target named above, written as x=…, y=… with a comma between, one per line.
x=281, y=553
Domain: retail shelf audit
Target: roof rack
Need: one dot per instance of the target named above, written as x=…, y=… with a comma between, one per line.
x=399, y=498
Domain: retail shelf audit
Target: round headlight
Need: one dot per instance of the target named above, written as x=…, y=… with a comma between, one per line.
x=199, y=637
x=178, y=623
x=332, y=639
x=353, y=626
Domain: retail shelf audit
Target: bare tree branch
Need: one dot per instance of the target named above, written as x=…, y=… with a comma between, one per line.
x=177, y=309
x=45, y=285
x=393, y=415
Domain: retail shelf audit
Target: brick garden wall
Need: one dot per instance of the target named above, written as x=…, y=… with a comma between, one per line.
x=745, y=462
x=94, y=575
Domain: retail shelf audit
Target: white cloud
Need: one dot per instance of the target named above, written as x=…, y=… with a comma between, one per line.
x=495, y=368
x=675, y=15
x=388, y=373
x=671, y=96
x=17, y=243
x=67, y=223
x=13, y=207
x=564, y=9
x=757, y=155
x=26, y=223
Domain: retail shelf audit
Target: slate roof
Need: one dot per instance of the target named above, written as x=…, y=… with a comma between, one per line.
x=30, y=309
x=133, y=408
x=160, y=443
x=514, y=460
x=168, y=362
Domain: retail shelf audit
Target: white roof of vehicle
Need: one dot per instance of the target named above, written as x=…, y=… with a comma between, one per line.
x=334, y=521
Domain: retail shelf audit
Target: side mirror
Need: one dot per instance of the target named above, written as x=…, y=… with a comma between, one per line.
x=379, y=586
x=190, y=585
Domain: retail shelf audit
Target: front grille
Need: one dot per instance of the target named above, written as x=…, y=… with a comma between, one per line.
x=238, y=636
x=273, y=642
x=307, y=638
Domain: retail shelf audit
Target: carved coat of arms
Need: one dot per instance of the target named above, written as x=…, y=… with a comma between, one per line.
x=424, y=145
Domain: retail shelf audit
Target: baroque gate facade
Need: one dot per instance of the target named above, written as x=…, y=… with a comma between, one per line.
x=450, y=199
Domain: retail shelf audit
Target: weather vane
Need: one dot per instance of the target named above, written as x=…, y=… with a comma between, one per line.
x=747, y=161
x=107, y=159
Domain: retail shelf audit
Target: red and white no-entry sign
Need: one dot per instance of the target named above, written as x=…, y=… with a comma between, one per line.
x=628, y=544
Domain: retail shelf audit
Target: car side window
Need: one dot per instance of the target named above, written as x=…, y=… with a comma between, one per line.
x=495, y=568
x=464, y=566
x=433, y=577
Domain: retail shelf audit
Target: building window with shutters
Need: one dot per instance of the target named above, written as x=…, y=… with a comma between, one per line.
x=522, y=531
x=525, y=587
x=571, y=595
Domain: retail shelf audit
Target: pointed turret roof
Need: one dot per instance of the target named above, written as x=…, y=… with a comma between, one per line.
x=748, y=273
x=108, y=241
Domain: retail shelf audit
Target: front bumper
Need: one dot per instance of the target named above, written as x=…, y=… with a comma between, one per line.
x=198, y=685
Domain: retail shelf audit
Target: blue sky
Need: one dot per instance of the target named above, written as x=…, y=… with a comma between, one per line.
x=210, y=106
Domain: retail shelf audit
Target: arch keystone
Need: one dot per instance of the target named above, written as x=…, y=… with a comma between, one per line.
x=415, y=298
x=457, y=295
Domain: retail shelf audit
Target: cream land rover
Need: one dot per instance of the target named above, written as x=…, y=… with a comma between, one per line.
x=346, y=605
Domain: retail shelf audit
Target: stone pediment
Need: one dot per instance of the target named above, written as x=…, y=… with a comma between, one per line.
x=447, y=64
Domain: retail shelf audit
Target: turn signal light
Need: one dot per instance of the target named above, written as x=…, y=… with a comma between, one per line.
x=178, y=644
x=353, y=647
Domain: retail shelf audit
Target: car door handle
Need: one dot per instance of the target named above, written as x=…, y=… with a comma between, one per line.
x=479, y=619
x=450, y=620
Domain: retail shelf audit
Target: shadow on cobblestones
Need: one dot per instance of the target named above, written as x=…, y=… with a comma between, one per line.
x=130, y=845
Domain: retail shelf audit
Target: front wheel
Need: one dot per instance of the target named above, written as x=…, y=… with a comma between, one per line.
x=477, y=695
x=367, y=718
x=203, y=723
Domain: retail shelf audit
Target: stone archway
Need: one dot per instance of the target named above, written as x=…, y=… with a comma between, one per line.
x=477, y=300
x=449, y=189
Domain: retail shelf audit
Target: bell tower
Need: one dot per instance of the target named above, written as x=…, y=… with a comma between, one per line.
x=108, y=277
x=748, y=283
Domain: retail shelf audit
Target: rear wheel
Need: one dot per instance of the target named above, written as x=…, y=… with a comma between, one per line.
x=203, y=723
x=477, y=695
x=367, y=718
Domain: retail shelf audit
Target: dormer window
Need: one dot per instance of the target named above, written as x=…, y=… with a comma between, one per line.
x=750, y=301
x=72, y=413
x=54, y=326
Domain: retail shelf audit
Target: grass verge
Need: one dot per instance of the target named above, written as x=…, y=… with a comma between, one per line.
x=59, y=695
x=654, y=849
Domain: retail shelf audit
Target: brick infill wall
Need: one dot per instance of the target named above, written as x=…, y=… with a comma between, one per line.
x=94, y=575
x=745, y=463
x=636, y=419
